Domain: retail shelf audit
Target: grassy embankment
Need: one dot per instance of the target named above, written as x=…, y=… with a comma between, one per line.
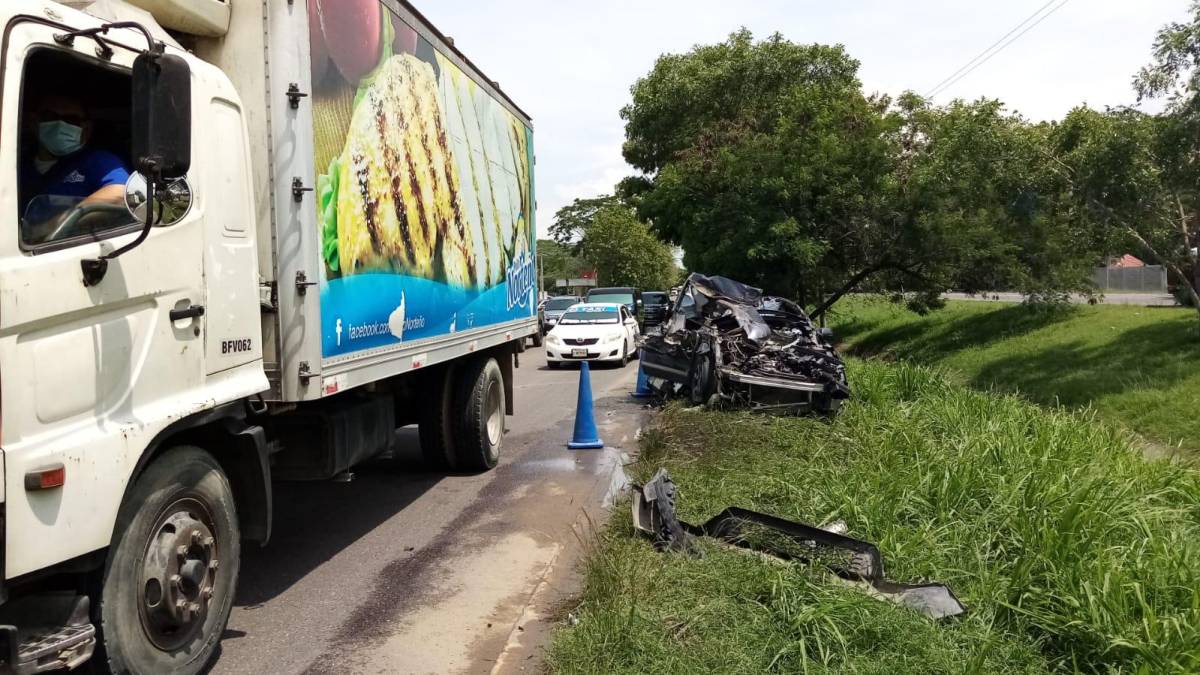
x=1137, y=367
x=1071, y=551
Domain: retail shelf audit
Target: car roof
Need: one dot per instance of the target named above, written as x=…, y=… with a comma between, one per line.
x=598, y=305
x=609, y=289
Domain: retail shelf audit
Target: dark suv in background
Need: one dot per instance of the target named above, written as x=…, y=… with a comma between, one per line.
x=628, y=296
x=655, y=305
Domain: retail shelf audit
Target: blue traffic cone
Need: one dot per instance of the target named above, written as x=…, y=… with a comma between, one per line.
x=585, y=437
x=642, y=390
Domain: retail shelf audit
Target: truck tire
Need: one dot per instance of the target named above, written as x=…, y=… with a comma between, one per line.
x=537, y=338
x=480, y=412
x=436, y=426
x=172, y=567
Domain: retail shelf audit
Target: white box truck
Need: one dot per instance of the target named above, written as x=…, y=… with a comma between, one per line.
x=249, y=240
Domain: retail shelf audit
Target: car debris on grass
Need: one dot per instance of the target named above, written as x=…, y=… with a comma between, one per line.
x=853, y=561
x=725, y=342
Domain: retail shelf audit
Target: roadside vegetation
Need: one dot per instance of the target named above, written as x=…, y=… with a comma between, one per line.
x=1070, y=550
x=1136, y=366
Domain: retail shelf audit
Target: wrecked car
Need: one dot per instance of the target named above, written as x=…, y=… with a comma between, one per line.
x=724, y=341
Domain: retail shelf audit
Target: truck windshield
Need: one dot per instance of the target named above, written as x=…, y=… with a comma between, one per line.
x=590, y=315
x=560, y=303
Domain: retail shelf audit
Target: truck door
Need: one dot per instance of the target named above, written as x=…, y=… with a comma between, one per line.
x=88, y=374
x=230, y=259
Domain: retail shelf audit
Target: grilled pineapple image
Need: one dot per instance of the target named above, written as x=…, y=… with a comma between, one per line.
x=433, y=179
x=492, y=157
x=398, y=205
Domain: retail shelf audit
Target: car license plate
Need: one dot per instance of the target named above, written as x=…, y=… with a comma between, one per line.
x=579, y=353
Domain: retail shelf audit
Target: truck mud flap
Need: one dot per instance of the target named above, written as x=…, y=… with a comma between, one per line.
x=857, y=562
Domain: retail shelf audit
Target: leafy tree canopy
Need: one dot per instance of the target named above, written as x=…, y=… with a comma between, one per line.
x=765, y=161
x=559, y=262
x=625, y=252
x=571, y=222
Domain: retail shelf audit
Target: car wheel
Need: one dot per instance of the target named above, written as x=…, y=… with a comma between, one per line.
x=553, y=365
x=173, y=566
x=624, y=354
x=701, y=385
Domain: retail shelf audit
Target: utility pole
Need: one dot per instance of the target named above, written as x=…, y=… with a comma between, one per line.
x=541, y=276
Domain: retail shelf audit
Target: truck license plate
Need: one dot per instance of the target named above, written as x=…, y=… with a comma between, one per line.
x=579, y=353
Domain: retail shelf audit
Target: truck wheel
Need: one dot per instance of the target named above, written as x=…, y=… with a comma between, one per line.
x=172, y=567
x=537, y=338
x=481, y=416
x=436, y=426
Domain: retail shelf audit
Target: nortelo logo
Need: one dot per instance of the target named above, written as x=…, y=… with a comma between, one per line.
x=521, y=277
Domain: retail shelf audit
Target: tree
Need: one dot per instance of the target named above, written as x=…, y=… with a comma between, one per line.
x=626, y=253
x=750, y=153
x=1117, y=182
x=1170, y=147
x=558, y=262
x=970, y=193
x=572, y=221
x=765, y=161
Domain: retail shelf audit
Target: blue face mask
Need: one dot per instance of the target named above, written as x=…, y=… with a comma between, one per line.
x=60, y=138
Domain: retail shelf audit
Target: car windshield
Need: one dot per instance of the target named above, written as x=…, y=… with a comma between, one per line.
x=560, y=303
x=654, y=298
x=623, y=298
x=591, y=315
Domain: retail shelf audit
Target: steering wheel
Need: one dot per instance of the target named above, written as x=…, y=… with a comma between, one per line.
x=89, y=219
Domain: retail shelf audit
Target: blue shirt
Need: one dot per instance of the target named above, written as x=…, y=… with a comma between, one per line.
x=76, y=176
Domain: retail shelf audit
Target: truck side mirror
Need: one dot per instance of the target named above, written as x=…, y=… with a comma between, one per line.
x=162, y=116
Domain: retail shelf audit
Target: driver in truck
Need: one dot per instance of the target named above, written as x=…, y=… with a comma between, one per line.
x=65, y=172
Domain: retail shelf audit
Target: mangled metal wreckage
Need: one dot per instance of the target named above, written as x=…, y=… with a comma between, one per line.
x=726, y=342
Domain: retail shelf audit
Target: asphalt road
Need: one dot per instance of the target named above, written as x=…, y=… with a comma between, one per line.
x=405, y=571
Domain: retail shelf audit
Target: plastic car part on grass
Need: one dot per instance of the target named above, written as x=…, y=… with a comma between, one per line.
x=858, y=563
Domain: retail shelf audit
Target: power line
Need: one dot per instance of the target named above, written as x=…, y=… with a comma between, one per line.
x=989, y=48
x=996, y=47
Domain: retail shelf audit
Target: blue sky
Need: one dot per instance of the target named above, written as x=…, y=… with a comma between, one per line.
x=570, y=64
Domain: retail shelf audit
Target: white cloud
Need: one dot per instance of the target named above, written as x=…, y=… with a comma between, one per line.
x=570, y=64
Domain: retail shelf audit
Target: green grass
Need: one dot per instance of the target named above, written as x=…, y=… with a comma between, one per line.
x=1071, y=551
x=1136, y=366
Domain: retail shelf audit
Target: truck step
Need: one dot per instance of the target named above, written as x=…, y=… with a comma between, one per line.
x=54, y=634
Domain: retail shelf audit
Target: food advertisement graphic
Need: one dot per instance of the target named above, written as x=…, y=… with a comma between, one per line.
x=425, y=194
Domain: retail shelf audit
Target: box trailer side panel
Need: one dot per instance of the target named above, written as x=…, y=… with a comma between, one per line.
x=424, y=191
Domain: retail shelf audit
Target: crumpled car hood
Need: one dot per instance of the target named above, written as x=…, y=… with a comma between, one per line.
x=768, y=336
